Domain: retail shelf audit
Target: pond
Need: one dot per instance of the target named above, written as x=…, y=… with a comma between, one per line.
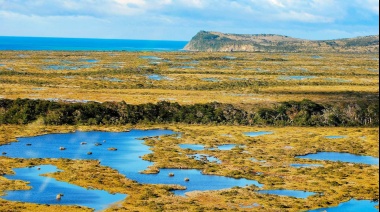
x=229, y=57
x=351, y=206
x=373, y=70
x=65, y=67
x=300, y=165
x=210, y=79
x=45, y=189
x=237, y=78
x=258, y=133
x=157, y=77
x=59, y=67
x=192, y=146
x=225, y=147
x=182, y=67
x=89, y=60
x=337, y=80
x=335, y=136
x=197, y=181
x=343, y=157
x=120, y=151
x=295, y=77
x=206, y=158
x=301, y=69
x=112, y=79
x=192, y=62
x=151, y=57
x=290, y=193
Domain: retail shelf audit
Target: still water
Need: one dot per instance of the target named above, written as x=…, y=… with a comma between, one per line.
x=343, y=157
x=44, y=190
x=120, y=151
x=351, y=206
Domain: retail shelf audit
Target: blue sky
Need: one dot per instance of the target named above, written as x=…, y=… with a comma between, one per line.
x=182, y=19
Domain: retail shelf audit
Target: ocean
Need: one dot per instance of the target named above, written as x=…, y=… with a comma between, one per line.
x=87, y=44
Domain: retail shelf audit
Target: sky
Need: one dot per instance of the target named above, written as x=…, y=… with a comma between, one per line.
x=182, y=19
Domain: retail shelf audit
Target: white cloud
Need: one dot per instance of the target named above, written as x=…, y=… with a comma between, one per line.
x=370, y=5
x=127, y=18
x=276, y=3
x=193, y=3
x=303, y=17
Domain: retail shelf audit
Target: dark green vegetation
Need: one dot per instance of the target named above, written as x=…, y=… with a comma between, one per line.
x=216, y=41
x=291, y=113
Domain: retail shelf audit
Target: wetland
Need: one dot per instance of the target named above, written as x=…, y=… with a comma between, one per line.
x=176, y=131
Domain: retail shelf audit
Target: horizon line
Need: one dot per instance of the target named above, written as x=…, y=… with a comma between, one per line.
x=93, y=38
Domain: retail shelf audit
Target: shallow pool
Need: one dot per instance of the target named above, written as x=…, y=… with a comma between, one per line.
x=258, y=133
x=192, y=146
x=120, y=151
x=335, y=136
x=226, y=147
x=351, y=206
x=45, y=189
x=300, y=165
x=150, y=57
x=206, y=158
x=343, y=157
x=209, y=79
x=296, y=77
x=290, y=193
x=157, y=77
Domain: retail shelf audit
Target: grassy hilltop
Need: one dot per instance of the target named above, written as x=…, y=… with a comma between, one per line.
x=223, y=42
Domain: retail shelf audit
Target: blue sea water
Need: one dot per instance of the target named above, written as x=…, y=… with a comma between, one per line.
x=87, y=44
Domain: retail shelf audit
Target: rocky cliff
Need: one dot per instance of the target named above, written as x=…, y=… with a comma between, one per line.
x=216, y=41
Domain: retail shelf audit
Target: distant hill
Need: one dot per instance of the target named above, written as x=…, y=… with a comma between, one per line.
x=222, y=42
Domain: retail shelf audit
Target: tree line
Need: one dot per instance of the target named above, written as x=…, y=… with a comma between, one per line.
x=290, y=113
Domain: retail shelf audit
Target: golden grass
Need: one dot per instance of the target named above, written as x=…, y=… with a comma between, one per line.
x=337, y=181
x=245, y=81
